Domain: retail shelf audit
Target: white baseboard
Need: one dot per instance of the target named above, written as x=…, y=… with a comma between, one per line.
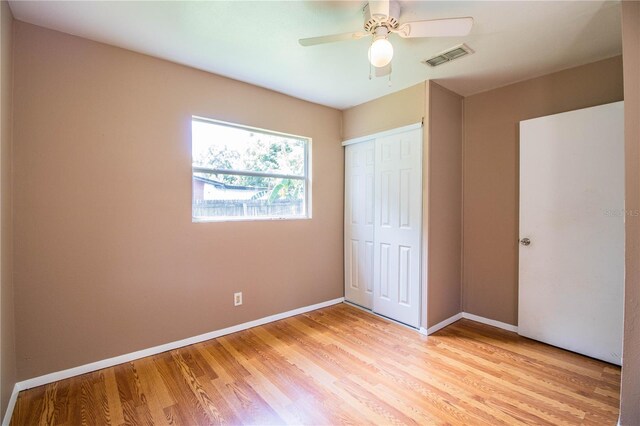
x=448, y=321
x=472, y=317
x=11, y=405
x=487, y=321
x=443, y=324
x=98, y=365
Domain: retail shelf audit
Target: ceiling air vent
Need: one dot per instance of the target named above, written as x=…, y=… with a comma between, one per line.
x=449, y=55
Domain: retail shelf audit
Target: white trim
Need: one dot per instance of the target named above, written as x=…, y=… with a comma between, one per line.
x=443, y=324
x=471, y=317
x=11, y=405
x=98, y=365
x=487, y=321
x=383, y=133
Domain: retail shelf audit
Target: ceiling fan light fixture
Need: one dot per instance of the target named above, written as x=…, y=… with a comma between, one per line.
x=380, y=52
x=381, y=18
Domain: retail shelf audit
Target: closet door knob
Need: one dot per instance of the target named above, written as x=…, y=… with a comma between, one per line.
x=525, y=241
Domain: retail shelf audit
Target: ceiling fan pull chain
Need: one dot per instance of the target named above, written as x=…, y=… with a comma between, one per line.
x=389, y=82
x=369, y=70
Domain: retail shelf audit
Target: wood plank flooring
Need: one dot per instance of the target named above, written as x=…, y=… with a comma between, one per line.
x=340, y=365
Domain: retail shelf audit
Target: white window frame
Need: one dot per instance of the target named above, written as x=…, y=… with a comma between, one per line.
x=306, y=178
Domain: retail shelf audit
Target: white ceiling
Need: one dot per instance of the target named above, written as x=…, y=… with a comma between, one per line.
x=256, y=41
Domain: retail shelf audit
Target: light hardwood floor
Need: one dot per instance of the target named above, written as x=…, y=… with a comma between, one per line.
x=340, y=365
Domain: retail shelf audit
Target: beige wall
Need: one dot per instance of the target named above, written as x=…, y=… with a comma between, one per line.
x=107, y=260
x=444, y=139
x=490, y=201
x=388, y=112
x=630, y=392
x=7, y=339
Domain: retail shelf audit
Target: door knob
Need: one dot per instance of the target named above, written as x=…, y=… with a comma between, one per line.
x=525, y=241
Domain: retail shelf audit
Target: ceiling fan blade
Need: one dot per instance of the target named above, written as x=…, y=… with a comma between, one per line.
x=383, y=71
x=436, y=28
x=312, y=41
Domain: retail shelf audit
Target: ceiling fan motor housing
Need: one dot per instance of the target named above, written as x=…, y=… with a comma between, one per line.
x=375, y=21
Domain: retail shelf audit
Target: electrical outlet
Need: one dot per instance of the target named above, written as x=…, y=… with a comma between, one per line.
x=237, y=299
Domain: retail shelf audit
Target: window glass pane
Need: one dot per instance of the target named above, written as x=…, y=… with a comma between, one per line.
x=244, y=173
x=224, y=147
x=222, y=196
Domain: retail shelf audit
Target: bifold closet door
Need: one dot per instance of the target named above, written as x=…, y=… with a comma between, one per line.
x=397, y=226
x=358, y=223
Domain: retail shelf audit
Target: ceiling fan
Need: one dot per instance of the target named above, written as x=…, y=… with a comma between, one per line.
x=381, y=19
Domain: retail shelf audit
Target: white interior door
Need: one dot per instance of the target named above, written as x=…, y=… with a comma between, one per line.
x=398, y=225
x=358, y=223
x=571, y=274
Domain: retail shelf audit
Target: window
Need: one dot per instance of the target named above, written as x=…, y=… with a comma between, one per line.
x=242, y=173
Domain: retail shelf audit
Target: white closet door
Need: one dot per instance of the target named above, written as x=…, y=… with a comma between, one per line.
x=358, y=223
x=398, y=225
x=572, y=230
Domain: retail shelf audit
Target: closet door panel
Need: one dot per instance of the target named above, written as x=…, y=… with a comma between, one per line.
x=398, y=225
x=358, y=223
